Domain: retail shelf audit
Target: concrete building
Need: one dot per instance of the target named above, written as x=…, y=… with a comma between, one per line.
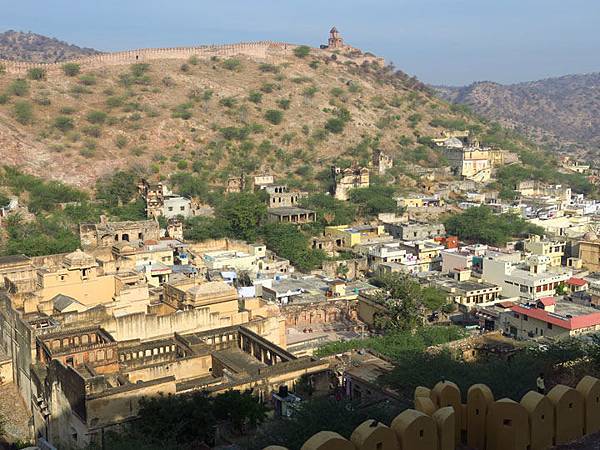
x=291, y=215
x=106, y=234
x=551, y=318
x=589, y=252
x=530, y=280
x=553, y=249
x=468, y=292
x=344, y=180
x=412, y=231
x=349, y=237
x=382, y=162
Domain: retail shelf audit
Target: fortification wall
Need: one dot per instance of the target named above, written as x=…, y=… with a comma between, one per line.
x=440, y=421
x=263, y=50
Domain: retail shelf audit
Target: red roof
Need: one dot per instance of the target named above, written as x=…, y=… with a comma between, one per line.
x=573, y=281
x=573, y=323
x=505, y=304
x=547, y=301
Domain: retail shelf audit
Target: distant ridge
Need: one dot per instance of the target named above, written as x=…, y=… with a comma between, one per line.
x=36, y=48
x=561, y=112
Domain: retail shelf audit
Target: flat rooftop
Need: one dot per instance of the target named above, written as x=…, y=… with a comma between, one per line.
x=289, y=211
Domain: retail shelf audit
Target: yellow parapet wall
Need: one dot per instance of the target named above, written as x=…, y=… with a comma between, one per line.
x=440, y=421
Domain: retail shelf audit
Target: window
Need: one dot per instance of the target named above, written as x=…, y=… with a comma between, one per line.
x=525, y=318
x=182, y=208
x=516, y=315
x=170, y=208
x=549, y=326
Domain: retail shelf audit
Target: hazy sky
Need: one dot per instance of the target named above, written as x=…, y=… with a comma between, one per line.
x=439, y=41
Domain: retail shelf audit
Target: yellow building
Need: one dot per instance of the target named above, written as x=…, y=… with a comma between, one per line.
x=589, y=252
x=553, y=249
x=350, y=236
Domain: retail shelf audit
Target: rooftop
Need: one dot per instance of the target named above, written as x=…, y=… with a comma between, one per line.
x=567, y=315
x=289, y=211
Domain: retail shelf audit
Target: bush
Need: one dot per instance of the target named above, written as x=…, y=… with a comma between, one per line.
x=182, y=111
x=310, y=91
x=19, y=87
x=255, y=97
x=228, y=102
x=87, y=79
x=182, y=165
x=193, y=60
x=184, y=68
x=284, y=103
x=139, y=69
x=71, y=69
x=92, y=131
x=302, y=52
x=96, y=117
x=3, y=99
x=267, y=88
x=271, y=68
x=337, y=92
x=121, y=141
x=274, y=116
x=114, y=101
x=335, y=125
x=23, y=112
x=36, y=73
x=67, y=110
x=64, y=123
x=232, y=64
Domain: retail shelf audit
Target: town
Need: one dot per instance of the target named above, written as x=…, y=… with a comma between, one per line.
x=373, y=291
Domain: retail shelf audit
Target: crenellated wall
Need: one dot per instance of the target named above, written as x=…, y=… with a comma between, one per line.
x=267, y=50
x=440, y=421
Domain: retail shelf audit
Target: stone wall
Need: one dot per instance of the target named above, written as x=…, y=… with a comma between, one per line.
x=440, y=421
x=265, y=50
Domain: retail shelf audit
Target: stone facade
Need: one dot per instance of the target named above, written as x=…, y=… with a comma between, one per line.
x=345, y=180
x=107, y=234
x=382, y=162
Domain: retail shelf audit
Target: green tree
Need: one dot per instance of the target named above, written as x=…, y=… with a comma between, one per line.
x=335, y=125
x=241, y=409
x=64, y=123
x=374, y=200
x=96, y=117
x=71, y=69
x=244, y=213
x=200, y=229
x=287, y=241
x=19, y=87
x=233, y=64
x=118, y=189
x=330, y=211
x=302, y=51
x=255, y=97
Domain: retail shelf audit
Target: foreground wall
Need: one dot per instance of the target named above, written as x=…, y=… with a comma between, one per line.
x=440, y=421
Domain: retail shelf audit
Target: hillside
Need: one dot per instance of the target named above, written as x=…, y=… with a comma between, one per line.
x=20, y=46
x=261, y=108
x=561, y=112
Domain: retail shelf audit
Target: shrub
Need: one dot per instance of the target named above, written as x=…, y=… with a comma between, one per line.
x=2, y=69
x=264, y=67
x=284, y=103
x=114, y=101
x=23, y=112
x=139, y=69
x=19, y=87
x=274, y=116
x=193, y=60
x=121, y=141
x=168, y=81
x=310, y=91
x=207, y=94
x=88, y=79
x=335, y=125
x=302, y=52
x=3, y=99
x=232, y=64
x=36, y=73
x=267, y=88
x=92, y=131
x=337, y=92
x=184, y=68
x=182, y=111
x=97, y=117
x=43, y=101
x=228, y=102
x=255, y=97
x=71, y=69
x=182, y=165
x=64, y=123
x=67, y=110
x=314, y=64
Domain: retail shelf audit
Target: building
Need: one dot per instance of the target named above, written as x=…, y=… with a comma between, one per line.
x=283, y=198
x=106, y=234
x=589, y=252
x=428, y=252
x=530, y=280
x=335, y=40
x=468, y=292
x=382, y=162
x=471, y=163
x=292, y=215
x=412, y=231
x=553, y=249
x=347, y=179
x=345, y=236
x=161, y=202
x=551, y=318
x=415, y=201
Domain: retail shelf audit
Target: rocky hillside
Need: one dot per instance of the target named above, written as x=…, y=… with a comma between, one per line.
x=220, y=117
x=561, y=112
x=20, y=46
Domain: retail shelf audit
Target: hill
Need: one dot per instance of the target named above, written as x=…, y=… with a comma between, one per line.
x=20, y=46
x=560, y=112
x=220, y=111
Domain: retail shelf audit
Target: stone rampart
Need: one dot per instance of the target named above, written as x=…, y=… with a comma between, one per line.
x=440, y=421
x=264, y=50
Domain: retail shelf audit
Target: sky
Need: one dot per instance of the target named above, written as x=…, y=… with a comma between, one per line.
x=451, y=42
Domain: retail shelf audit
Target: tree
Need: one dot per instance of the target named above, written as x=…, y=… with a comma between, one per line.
x=335, y=125
x=71, y=69
x=19, y=87
x=241, y=409
x=302, y=52
x=64, y=123
x=374, y=200
x=118, y=189
x=330, y=211
x=244, y=213
x=96, y=117
x=287, y=241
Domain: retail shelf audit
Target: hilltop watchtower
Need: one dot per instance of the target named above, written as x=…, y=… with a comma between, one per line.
x=335, y=40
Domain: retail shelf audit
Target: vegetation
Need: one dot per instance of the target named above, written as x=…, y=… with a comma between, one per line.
x=374, y=200
x=480, y=224
x=287, y=241
x=243, y=213
x=23, y=112
x=274, y=116
x=19, y=87
x=330, y=211
x=302, y=51
x=71, y=69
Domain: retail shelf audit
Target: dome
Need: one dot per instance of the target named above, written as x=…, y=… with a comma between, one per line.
x=590, y=236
